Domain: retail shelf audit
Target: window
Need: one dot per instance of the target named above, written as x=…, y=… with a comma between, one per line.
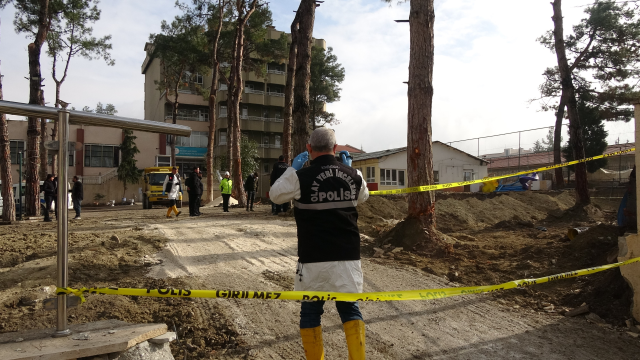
x=388, y=177
x=266, y=168
x=71, y=159
x=223, y=111
x=198, y=79
x=401, y=177
x=195, y=78
x=371, y=174
x=101, y=156
x=223, y=138
x=197, y=139
x=277, y=140
x=436, y=177
x=245, y=112
x=222, y=87
x=469, y=175
x=265, y=141
x=204, y=116
x=16, y=146
x=163, y=160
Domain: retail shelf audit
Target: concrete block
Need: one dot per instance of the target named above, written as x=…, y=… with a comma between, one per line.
x=168, y=337
x=145, y=351
x=629, y=248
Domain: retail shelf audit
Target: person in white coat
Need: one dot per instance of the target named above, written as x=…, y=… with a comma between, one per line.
x=173, y=188
x=326, y=195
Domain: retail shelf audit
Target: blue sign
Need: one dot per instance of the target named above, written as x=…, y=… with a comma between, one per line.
x=190, y=151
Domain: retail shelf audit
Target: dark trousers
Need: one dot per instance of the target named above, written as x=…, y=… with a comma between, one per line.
x=77, y=207
x=194, y=204
x=225, y=201
x=279, y=208
x=311, y=312
x=47, y=201
x=251, y=196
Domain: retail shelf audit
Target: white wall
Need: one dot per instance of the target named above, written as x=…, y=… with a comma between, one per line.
x=450, y=164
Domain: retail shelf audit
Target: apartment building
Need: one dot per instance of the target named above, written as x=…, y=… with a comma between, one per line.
x=261, y=113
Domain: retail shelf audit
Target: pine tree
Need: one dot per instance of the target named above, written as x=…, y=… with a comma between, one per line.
x=127, y=171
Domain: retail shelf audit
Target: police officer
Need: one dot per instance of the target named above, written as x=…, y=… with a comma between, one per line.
x=194, y=189
x=278, y=169
x=326, y=195
x=172, y=187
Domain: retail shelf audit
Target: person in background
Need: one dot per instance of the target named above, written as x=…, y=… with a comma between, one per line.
x=76, y=197
x=172, y=188
x=326, y=195
x=194, y=188
x=251, y=186
x=49, y=188
x=278, y=169
x=226, y=185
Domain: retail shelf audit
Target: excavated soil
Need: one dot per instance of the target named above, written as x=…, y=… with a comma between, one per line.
x=494, y=239
x=502, y=237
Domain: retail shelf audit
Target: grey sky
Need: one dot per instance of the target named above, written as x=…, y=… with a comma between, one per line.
x=487, y=66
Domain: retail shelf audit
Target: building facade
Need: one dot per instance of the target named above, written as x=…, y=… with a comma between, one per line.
x=261, y=114
x=387, y=169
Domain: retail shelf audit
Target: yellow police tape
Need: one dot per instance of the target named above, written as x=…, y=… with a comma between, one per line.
x=425, y=294
x=462, y=183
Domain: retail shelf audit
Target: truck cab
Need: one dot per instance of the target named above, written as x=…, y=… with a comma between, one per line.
x=153, y=180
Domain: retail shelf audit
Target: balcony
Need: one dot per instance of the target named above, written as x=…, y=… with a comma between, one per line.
x=187, y=118
x=253, y=91
x=273, y=93
x=277, y=72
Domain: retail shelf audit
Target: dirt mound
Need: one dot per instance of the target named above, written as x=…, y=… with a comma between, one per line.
x=596, y=246
x=466, y=211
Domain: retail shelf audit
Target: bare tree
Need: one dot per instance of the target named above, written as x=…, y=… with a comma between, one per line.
x=243, y=10
x=420, y=94
x=288, y=91
x=8, y=205
x=68, y=38
x=569, y=95
x=302, y=77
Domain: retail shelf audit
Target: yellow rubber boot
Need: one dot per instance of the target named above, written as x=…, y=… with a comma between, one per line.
x=354, y=331
x=312, y=343
x=169, y=212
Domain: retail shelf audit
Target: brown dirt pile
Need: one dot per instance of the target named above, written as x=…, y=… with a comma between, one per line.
x=499, y=238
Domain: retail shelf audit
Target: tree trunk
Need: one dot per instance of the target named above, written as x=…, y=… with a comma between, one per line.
x=213, y=95
x=32, y=188
x=174, y=117
x=236, y=76
x=420, y=96
x=229, y=124
x=568, y=92
x=300, y=136
x=8, y=205
x=54, y=133
x=43, y=138
x=557, y=143
x=288, y=92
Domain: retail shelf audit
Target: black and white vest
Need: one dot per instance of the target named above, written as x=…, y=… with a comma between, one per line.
x=326, y=212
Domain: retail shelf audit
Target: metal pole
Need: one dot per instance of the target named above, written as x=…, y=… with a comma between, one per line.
x=478, y=147
x=20, y=183
x=518, y=151
x=63, y=231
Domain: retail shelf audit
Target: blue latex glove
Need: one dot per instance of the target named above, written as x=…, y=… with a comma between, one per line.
x=299, y=161
x=163, y=193
x=346, y=158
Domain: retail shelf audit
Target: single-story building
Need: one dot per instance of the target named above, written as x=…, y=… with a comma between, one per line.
x=387, y=169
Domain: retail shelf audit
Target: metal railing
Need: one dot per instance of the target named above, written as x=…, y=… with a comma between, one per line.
x=64, y=118
x=277, y=72
x=275, y=93
x=100, y=179
x=188, y=118
x=253, y=91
